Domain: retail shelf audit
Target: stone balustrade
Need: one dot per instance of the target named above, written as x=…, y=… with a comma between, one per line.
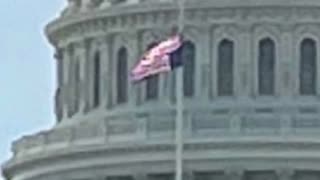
x=76, y=6
x=199, y=124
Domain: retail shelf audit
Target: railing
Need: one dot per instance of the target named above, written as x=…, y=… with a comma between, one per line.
x=87, y=5
x=208, y=123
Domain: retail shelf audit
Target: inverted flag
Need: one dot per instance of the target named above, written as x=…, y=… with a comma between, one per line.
x=159, y=58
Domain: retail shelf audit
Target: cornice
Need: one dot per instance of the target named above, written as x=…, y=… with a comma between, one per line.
x=195, y=150
x=142, y=18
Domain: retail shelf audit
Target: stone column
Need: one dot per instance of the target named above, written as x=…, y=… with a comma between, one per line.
x=66, y=82
x=104, y=77
x=59, y=91
x=81, y=54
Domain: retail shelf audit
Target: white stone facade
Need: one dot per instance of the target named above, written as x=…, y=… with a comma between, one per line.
x=252, y=95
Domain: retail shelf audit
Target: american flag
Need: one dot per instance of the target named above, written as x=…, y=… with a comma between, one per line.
x=158, y=59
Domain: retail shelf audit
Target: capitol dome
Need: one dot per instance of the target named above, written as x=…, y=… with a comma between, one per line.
x=251, y=94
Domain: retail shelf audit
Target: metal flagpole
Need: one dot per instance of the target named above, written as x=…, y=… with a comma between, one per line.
x=179, y=104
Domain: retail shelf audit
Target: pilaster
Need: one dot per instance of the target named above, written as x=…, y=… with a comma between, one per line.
x=296, y=64
x=214, y=62
x=65, y=83
x=88, y=80
x=104, y=78
x=81, y=54
x=244, y=75
x=286, y=61
x=204, y=61
x=199, y=60
x=132, y=61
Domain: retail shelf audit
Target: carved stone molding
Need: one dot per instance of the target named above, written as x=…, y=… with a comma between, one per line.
x=65, y=28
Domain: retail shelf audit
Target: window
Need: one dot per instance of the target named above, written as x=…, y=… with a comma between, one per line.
x=188, y=58
x=96, y=80
x=266, y=66
x=225, y=68
x=152, y=87
x=152, y=83
x=122, y=75
x=308, y=71
x=77, y=85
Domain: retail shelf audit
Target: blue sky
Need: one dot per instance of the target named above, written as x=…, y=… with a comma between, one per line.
x=27, y=69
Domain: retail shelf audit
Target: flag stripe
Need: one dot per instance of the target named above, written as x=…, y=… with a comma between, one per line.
x=158, y=59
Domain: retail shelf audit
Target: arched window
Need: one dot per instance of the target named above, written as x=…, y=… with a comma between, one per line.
x=188, y=58
x=266, y=66
x=122, y=75
x=152, y=83
x=96, y=80
x=308, y=69
x=77, y=85
x=225, y=68
x=152, y=87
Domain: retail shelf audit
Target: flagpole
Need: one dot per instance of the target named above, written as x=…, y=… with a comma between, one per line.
x=179, y=124
x=179, y=105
